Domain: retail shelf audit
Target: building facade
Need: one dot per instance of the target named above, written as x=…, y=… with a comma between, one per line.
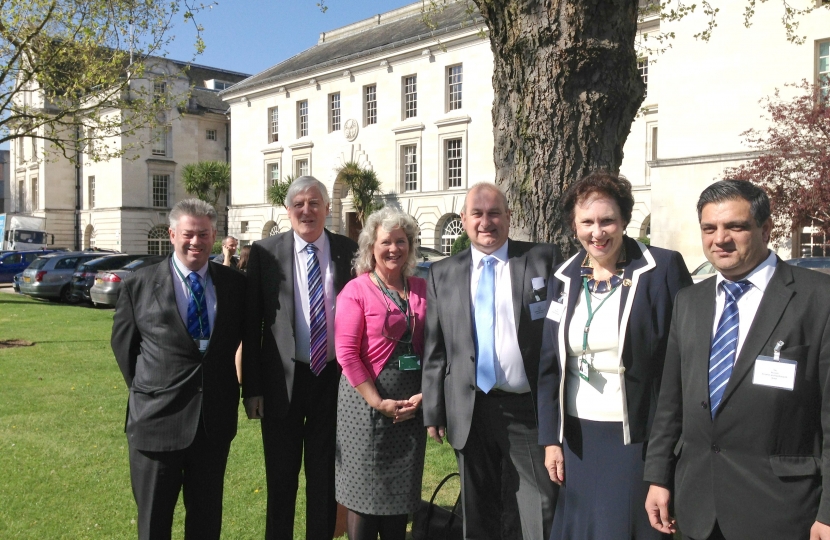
x=4, y=180
x=122, y=203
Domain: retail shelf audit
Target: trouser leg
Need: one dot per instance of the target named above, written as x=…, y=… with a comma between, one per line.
x=156, y=480
x=203, y=485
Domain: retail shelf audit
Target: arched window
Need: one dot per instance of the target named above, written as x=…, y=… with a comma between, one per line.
x=158, y=241
x=89, y=237
x=270, y=229
x=452, y=229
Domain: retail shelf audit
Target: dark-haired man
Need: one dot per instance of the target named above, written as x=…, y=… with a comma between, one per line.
x=743, y=411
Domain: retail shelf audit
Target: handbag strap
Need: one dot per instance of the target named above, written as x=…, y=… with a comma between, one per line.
x=435, y=493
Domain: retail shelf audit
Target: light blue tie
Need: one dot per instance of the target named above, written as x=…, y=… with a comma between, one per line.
x=725, y=343
x=318, y=346
x=485, y=313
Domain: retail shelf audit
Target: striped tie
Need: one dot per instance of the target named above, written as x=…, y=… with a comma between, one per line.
x=725, y=343
x=318, y=349
x=198, y=324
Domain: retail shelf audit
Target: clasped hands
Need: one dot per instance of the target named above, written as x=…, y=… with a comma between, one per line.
x=399, y=410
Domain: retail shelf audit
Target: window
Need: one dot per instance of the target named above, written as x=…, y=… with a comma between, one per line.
x=334, y=112
x=454, y=75
x=34, y=147
x=371, y=105
x=642, y=67
x=21, y=195
x=18, y=147
x=302, y=118
x=301, y=167
x=452, y=230
x=210, y=134
x=410, y=96
x=273, y=124
x=814, y=242
x=161, y=183
x=91, y=188
x=454, y=156
x=159, y=141
x=35, y=194
x=824, y=68
x=158, y=241
x=410, y=167
x=243, y=227
x=272, y=176
x=159, y=90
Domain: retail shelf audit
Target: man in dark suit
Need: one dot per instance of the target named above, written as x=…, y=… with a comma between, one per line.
x=289, y=376
x=743, y=411
x=485, y=311
x=176, y=329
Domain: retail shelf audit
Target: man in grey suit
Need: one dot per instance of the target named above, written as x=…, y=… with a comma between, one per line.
x=485, y=311
x=743, y=411
x=289, y=375
x=176, y=328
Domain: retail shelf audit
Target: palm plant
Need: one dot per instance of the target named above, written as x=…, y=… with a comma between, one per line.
x=364, y=186
x=207, y=180
x=278, y=190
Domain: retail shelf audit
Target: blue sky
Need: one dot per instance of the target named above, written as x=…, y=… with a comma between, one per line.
x=252, y=35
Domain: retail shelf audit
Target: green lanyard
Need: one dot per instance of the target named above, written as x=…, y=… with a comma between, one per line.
x=405, y=309
x=196, y=300
x=583, y=372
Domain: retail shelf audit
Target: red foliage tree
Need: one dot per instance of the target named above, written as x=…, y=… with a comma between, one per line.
x=794, y=162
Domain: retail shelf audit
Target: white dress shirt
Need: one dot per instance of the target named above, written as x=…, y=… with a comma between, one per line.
x=302, y=325
x=179, y=270
x=749, y=302
x=510, y=368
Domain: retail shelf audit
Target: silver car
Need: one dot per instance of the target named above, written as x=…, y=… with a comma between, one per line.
x=104, y=291
x=49, y=276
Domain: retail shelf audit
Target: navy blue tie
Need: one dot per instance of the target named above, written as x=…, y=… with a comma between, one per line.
x=318, y=339
x=198, y=324
x=485, y=313
x=725, y=342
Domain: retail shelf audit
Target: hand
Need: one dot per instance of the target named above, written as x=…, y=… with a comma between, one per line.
x=227, y=254
x=657, y=508
x=408, y=411
x=555, y=463
x=255, y=407
x=819, y=531
x=437, y=433
x=390, y=407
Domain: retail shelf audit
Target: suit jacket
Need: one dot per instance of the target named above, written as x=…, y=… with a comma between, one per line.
x=449, y=374
x=171, y=383
x=761, y=468
x=645, y=315
x=268, y=346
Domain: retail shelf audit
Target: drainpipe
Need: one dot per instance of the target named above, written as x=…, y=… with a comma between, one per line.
x=228, y=160
x=78, y=184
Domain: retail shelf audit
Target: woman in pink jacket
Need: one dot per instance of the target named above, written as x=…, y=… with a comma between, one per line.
x=379, y=337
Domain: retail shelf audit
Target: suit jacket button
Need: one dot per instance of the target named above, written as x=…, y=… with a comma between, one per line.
x=472, y=358
x=716, y=448
x=704, y=405
x=472, y=387
x=199, y=389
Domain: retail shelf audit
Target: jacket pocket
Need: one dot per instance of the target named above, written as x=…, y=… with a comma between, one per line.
x=783, y=466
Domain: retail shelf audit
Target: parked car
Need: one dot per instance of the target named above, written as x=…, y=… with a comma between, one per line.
x=704, y=271
x=108, y=283
x=14, y=262
x=819, y=264
x=422, y=269
x=429, y=254
x=84, y=277
x=49, y=275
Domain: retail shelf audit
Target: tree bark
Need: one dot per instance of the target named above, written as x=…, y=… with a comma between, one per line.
x=566, y=92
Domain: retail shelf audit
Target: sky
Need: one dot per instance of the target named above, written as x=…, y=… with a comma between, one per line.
x=250, y=36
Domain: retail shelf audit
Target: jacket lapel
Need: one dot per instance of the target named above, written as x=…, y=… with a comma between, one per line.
x=518, y=265
x=166, y=298
x=641, y=261
x=774, y=302
x=569, y=275
x=461, y=274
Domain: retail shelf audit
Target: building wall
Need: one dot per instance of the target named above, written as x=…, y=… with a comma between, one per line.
x=5, y=180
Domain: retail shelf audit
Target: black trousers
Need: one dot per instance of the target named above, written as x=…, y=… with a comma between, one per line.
x=198, y=471
x=305, y=435
x=716, y=534
x=506, y=491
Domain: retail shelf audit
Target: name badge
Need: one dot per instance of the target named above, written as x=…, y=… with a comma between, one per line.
x=555, y=311
x=777, y=374
x=538, y=309
x=202, y=344
x=409, y=362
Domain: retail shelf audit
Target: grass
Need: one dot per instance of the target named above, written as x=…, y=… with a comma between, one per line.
x=63, y=453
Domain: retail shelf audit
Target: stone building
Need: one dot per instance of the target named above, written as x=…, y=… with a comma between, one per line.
x=122, y=203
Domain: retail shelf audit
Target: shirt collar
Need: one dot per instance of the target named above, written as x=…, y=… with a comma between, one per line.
x=500, y=254
x=185, y=271
x=300, y=244
x=760, y=275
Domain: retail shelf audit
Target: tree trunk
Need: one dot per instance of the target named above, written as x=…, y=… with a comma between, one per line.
x=566, y=92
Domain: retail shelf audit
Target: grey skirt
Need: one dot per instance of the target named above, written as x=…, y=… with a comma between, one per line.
x=379, y=464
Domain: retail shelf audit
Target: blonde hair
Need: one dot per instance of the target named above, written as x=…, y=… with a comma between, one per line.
x=390, y=219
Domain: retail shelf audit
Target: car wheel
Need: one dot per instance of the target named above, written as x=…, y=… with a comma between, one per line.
x=66, y=296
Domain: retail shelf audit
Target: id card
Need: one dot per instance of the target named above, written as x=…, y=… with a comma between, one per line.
x=777, y=374
x=555, y=311
x=409, y=362
x=202, y=344
x=538, y=309
x=584, y=369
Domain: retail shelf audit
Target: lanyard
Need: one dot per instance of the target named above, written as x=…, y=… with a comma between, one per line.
x=591, y=313
x=405, y=308
x=195, y=299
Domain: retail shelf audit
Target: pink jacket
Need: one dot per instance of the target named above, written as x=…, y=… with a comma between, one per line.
x=362, y=349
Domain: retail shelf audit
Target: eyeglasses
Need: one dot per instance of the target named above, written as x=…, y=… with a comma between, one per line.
x=384, y=333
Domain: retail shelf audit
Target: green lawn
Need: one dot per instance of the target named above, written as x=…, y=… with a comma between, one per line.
x=63, y=453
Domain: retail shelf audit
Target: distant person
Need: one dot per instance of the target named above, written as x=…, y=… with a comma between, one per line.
x=229, y=246
x=289, y=372
x=742, y=430
x=244, y=254
x=379, y=337
x=602, y=356
x=176, y=327
x=481, y=363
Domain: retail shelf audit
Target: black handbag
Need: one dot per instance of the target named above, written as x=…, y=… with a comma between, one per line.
x=432, y=522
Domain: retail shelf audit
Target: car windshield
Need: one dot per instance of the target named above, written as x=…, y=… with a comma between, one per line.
x=705, y=268
x=143, y=262
x=30, y=237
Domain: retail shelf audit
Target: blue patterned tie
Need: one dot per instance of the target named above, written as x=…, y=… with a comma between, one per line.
x=485, y=312
x=198, y=324
x=725, y=343
x=318, y=349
